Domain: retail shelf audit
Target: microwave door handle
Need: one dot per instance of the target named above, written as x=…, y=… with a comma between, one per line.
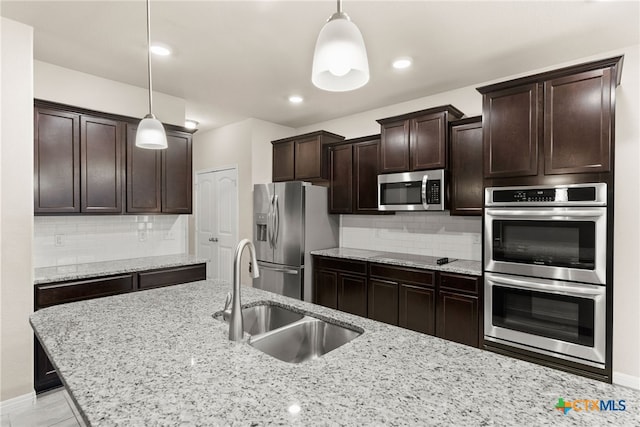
x=424, y=191
x=571, y=290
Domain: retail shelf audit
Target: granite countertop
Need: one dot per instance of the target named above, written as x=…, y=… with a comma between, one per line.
x=63, y=273
x=159, y=357
x=461, y=266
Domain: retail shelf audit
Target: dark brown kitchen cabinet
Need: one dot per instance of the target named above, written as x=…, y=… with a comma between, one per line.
x=402, y=296
x=56, y=161
x=416, y=141
x=340, y=284
x=176, y=173
x=466, y=177
x=144, y=176
x=87, y=162
x=101, y=165
x=49, y=294
x=303, y=157
x=552, y=127
x=459, y=316
x=353, y=174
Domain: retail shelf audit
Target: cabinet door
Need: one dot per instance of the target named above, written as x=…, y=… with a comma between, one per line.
x=176, y=174
x=365, y=169
x=325, y=288
x=428, y=142
x=341, y=179
x=577, y=123
x=510, y=133
x=101, y=148
x=466, y=169
x=308, y=156
x=383, y=301
x=458, y=317
x=56, y=162
x=45, y=376
x=352, y=294
x=283, y=162
x=171, y=276
x=144, y=177
x=394, y=147
x=417, y=308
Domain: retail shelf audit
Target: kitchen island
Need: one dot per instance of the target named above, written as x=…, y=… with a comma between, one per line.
x=158, y=357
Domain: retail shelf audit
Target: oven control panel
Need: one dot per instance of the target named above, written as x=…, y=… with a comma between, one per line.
x=577, y=194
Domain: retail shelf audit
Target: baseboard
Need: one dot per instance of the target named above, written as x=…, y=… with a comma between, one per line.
x=20, y=402
x=626, y=380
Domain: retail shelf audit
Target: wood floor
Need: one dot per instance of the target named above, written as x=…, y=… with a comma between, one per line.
x=52, y=409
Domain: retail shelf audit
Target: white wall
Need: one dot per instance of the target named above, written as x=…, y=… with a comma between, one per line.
x=66, y=86
x=626, y=335
x=64, y=240
x=16, y=210
x=246, y=144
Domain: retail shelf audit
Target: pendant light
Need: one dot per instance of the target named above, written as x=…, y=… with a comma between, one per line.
x=150, y=133
x=340, y=60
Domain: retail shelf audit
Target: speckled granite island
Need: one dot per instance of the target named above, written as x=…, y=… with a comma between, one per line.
x=460, y=266
x=159, y=358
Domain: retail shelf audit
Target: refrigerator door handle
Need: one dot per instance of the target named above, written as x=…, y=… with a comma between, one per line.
x=276, y=220
x=279, y=269
x=270, y=223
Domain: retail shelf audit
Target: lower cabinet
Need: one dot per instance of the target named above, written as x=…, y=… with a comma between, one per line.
x=458, y=314
x=444, y=304
x=48, y=294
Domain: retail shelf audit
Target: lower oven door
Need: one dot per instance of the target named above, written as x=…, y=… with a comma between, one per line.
x=560, y=319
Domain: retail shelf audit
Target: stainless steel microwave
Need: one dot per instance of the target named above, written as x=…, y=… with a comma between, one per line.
x=412, y=191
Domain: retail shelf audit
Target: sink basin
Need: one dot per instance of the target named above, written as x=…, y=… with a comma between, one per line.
x=306, y=339
x=266, y=317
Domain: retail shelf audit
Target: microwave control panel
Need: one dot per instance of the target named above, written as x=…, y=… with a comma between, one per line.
x=433, y=192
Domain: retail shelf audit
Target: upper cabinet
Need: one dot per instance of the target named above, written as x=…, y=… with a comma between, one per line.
x=416, y=141
x=303, y=157
x=556, y=123
x=466, y=166
x=353, y=174
x=87, y=162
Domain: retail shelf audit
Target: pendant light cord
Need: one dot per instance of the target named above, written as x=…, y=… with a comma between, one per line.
x=149, y=55
x=339, y=6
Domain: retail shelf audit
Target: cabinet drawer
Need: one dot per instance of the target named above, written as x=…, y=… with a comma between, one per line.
x=59, y=293
x=349, y=266
x=172, y=276
x=459, y=282
x=403, y=274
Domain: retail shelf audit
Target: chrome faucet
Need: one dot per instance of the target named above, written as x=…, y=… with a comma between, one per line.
x=236, y=326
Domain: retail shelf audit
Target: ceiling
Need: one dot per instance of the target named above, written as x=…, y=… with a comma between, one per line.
x=238, y=59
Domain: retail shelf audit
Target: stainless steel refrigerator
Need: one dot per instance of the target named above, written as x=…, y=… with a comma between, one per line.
x=290, y=220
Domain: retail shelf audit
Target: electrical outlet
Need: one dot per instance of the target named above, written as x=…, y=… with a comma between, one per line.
x=476, y=239
x=142, y=235
x=57, y=240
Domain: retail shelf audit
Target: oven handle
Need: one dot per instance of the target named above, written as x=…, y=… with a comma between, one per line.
x=549, y=286
x=550, y=213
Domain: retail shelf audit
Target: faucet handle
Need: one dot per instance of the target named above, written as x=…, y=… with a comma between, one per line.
x=227, y=302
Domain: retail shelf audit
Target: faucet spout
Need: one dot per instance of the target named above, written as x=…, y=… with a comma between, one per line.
x=236, y=324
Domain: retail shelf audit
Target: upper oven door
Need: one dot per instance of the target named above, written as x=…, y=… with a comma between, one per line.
x=555, y=243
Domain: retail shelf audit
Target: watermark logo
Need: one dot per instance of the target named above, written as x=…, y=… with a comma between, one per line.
x=590, y=405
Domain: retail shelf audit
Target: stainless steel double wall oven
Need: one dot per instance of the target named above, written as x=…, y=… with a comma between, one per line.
x=545, y=262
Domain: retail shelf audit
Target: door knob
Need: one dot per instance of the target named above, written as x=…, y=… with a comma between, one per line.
x=213, y=239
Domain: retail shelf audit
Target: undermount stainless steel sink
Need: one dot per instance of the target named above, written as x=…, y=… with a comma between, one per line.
x=266, y=317
x=306, y=339
x=289, y=335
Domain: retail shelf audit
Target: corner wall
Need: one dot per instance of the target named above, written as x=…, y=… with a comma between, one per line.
x=16, y=211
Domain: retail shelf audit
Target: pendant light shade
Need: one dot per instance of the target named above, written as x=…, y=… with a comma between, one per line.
x=340, y=60
x=150, y=133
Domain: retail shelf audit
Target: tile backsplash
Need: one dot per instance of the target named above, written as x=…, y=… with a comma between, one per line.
x=422, y=233
x=62, y=240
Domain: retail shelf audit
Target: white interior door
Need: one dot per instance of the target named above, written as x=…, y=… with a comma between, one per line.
x=217, y=221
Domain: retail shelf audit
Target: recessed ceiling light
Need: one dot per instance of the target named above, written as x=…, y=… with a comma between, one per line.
x=296, y=99
x=402, y=63
x=160, y=49
x=190, y=124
